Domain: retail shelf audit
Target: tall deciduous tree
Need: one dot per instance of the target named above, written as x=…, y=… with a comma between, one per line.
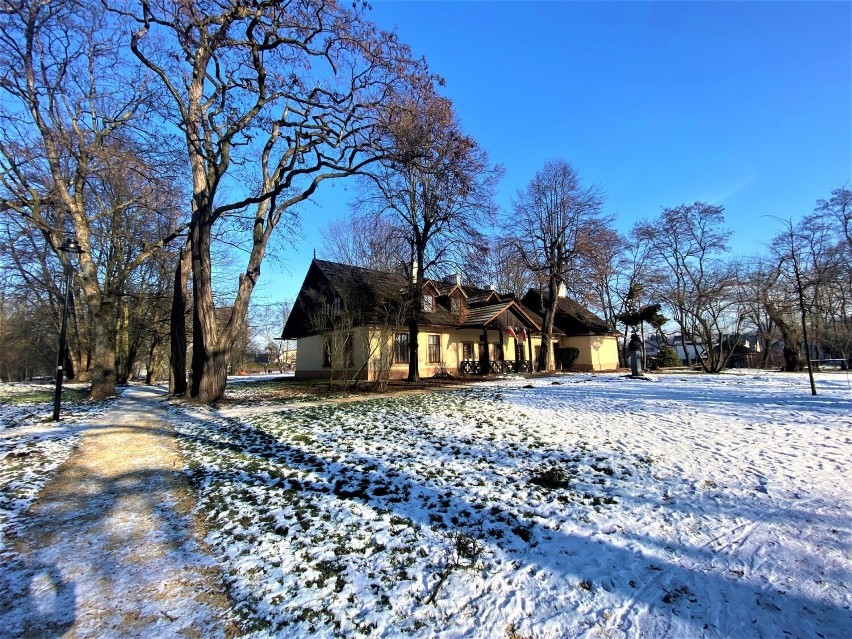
x=811, y=298
x=790, y=247
x=504, y=268
x=272, y=97
x=695, y=284
x=756, y=281
x=555, y=214
x=435, y=185
x=77, y=154
x=363, y=240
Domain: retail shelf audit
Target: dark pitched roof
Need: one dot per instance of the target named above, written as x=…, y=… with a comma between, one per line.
x=361, y=291
x=571, y=317
x=446, y=288
x=369, y=296
x=376, y=297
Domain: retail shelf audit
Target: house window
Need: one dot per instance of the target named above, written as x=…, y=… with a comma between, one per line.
x=434, y=349
x=428, y=303
x=496, y=352
x=455, y=305
x=326, y=353
x=467, y=350
x=400, y=348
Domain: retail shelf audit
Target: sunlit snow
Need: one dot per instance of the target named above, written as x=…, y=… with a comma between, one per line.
x=582, y=506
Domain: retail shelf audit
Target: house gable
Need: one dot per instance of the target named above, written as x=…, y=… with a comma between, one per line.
x=367, y=296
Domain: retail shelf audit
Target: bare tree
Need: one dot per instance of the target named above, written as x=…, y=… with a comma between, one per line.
x=839, y=207
x=79, y=153
x=694, y=283
x=366, y=241
x=788, y=248
x=813, y=279
x=334, y=318
x=267, y=321
x=504, y=268
x=601, y=270
x=756, y=281
x=27, y=330
x=555, y=213
x=436, y=186
x=827, y=246
x=275, y=96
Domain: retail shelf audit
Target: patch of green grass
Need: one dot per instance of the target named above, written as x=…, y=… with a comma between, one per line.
x=72, y=395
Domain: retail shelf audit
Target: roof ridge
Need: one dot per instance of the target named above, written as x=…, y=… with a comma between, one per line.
x=356, y=267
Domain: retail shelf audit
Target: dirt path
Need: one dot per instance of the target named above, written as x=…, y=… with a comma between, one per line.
x=110, y=547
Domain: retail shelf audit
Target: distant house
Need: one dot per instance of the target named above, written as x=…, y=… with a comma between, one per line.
x=684, y=346
x=654, y=343
x=350, y=321
x=742, y=351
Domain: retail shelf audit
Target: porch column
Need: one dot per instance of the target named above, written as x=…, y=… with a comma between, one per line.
x=484, y=363
x=529, y=345
x=502, y=352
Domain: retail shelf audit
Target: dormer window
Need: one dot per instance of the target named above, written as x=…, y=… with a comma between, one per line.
x=455, y=305
x=428, y=303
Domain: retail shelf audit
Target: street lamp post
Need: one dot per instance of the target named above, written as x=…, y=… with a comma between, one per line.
x=70, y=247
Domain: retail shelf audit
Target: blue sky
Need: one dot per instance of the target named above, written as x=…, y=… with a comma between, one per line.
x=747, y=105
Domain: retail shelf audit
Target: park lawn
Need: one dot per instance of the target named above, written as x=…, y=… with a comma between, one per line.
x=571, y=506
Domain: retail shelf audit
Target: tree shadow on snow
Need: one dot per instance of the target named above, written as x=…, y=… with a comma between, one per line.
x=73, y=539
x=564, y=554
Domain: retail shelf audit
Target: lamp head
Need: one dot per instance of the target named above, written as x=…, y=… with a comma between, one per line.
x=72, y=246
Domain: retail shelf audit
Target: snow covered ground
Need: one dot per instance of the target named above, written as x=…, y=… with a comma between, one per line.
x=573, y=506
x=32, y=446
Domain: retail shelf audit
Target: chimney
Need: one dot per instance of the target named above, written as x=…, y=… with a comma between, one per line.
x=491, y=287
x=414, y=268
x=563, y=291
x=458, y=279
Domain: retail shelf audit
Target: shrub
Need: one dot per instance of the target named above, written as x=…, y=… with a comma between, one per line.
x=567, y=357
x=667, y=356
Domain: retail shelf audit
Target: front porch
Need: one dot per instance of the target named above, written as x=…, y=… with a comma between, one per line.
x=505, y=367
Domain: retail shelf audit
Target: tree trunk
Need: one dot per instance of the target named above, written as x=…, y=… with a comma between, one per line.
x=764, y=356
x=123, y=357
x=549, y=312
x=209, y=358
x=413, y=325
x=413, y=350
x=177, y=326
x=793, y=361
x=212, y=346
x=103, y=356
x=684, y=335
x=153, y=364
x=68, y=366
x=209, y=385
